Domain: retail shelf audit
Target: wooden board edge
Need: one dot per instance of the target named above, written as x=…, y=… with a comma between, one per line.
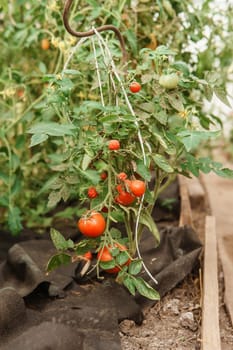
x=210, y=301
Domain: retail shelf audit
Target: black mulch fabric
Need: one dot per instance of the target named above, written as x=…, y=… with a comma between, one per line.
x=86, y=315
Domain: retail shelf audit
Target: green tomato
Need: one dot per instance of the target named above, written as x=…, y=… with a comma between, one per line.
x=169, y=81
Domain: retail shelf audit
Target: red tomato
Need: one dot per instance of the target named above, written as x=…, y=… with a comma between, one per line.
x=124, y=197
x=92, y=193
x=20, y=93
x=45, y=44
x=122, y=176
x=104, y=210
x=113, y=145
x=92, y=225
x=137, y=187
x=105, y=255
x=135, y=87
x=88, y=255
x=104, y=175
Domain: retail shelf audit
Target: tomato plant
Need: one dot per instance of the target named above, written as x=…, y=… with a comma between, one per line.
x=69, y=122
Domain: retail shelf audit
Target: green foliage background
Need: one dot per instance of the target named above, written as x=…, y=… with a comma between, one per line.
x=161, y=37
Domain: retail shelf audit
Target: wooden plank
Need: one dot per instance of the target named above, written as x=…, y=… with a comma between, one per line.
x=219, y=191
x=185, y=206
x=225, y=244
x=210, y=308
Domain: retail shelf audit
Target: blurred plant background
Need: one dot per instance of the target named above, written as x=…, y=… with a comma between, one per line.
x=34, y=48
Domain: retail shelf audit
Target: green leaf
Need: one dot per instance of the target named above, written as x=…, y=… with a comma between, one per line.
x=132, y=40
x=208, y=92
x=135, y=267
x=222, y=96
x=106, y=265
x=122, y=258
x=52, y=129
x=191, y=165
x=90, y=175
x=54, y=198
x=42, y=67
x=160, y=139
x=59, y=241
x=176, y=102
x=191, y=139
x=163, y=50
x=4, y=178
x=86, y=161
x=162, y=163
x=129, y=284
x=14, y=221
x=37, y=139
x=117, y=216
x=147, y=220
x=225, y=172
x=143, y=170
x=181, y=66
x=58, y=260
x=145, y=289
x=71, y=72
x=161, y=117
x=115, y=233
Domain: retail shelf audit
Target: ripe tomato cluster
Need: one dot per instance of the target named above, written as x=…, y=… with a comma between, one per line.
x=93, y=225
x=128, y=190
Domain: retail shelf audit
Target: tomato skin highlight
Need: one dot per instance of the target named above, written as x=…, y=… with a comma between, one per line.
x=137, y=187
x=92, y=193
x=45, y=45
x=135, y=87
x=105, y=255
x=113, y=145
x=93, y=225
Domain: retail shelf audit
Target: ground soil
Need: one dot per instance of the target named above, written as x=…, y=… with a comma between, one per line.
x=166, y=325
